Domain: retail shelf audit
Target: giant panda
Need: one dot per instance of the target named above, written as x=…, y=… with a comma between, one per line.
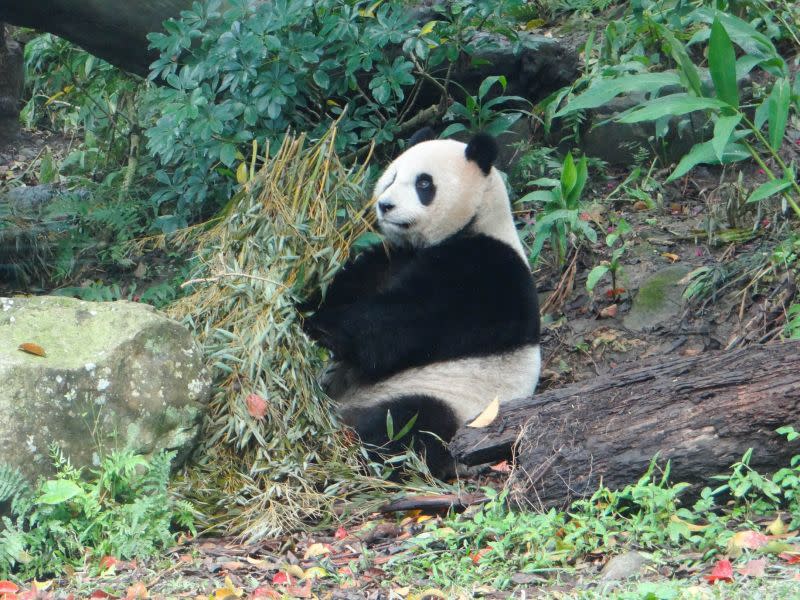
x=441, y=319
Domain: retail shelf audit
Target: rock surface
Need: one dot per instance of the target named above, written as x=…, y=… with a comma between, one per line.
x=115, y=374
x=659, y=299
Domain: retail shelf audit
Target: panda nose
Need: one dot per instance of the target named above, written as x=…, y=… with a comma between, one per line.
x=384, y=206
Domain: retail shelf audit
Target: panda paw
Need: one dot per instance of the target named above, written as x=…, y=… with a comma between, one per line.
x=327, y=329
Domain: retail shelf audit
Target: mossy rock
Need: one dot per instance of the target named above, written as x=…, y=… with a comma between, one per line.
x=659, y=299
x=114, y=375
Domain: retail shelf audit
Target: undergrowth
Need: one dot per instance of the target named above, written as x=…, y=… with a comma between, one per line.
x=121, y=509
x=490, y=545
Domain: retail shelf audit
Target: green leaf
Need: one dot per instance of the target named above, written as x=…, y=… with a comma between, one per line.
x=546, y=196
x=406, y=428
x=688, y=71
x=722, y=64
x=595, y=275
x=545, y=182
x=574, y=195
x=674, y=104
x=778, y=112
x=453, y=128
x=487, y=83
x=569, y=175
x=704, y=154
x=606, y=89
x=57, y=491
x=723, y=129
x=770, y=188
x=321, y=79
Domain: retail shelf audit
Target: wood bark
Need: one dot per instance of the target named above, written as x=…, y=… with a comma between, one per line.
x=115, y=30
x=701, y=413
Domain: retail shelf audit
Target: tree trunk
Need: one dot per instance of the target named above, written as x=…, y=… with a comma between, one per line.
x=115, y=30
x=11, y=83
x=702, y=413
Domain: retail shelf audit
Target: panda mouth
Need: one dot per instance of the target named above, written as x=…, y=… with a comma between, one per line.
x=398, y=224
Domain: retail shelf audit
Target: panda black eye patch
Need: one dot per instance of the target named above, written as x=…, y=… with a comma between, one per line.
x=425, y=188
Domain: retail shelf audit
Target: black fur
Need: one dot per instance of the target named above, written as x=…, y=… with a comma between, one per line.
x=471, y=295
x=482, y=149
x=422, y=135
x=435, y=422
x=426, y=189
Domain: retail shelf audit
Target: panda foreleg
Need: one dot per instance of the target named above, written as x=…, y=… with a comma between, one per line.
x=435, y=424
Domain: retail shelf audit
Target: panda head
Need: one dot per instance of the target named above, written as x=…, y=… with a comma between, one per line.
x=438, y=188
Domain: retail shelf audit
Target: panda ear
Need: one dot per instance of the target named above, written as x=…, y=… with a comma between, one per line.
x=482, y=149
x=422, y=135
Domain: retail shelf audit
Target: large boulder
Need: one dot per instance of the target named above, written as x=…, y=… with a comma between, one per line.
x=114, y=375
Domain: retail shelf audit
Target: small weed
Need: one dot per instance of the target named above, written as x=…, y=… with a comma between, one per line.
x=613, y=267
x=561, y=217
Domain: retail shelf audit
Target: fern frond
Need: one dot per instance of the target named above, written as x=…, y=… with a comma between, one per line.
x=12, y=483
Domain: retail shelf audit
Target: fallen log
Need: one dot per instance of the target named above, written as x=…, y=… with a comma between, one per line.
x=701, y=413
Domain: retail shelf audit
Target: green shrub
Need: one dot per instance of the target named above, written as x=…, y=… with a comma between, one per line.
x=123, y=510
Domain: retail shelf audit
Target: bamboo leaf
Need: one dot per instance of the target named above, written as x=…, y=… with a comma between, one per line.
x=688, y=71
x=607, y=89
x=770, y=188
x=569, y=175
x=595, y=275
x=704, y=154
x=722, y=64
x=723, y=129
x=674, y=104
x=778, y=112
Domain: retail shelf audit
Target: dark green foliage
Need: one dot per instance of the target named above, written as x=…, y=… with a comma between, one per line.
x=259, y=69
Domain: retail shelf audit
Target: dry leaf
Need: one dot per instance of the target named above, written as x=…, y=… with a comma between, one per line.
x=138, y=591
x=316, y=550
x=229, y=592
x=488, y=415
x=777, y=527
x=722, y=571
x=609, y=312
x=256, y=406
x=754, y=568
x=672, y=257
x=640, y=205
x=501, y=467
x=32, y=348
x=751, y=540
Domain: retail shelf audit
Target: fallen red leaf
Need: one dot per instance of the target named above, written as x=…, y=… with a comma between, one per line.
x=281, y=578
x=477, y=556
x=753, y=568
x=256, y=406
x=722, y=571
x=790, y=558
x=501, y=467
x=300, y=592
x=107, y=562
x=341, y=533
x=100, y=594
x=8, y=587
x=8, y=596
x=614, y=292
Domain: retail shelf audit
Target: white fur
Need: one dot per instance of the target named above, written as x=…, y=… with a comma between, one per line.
x=467, y=385
x=462, y=192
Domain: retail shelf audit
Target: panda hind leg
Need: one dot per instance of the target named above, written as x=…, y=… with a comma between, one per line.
x=433, y=416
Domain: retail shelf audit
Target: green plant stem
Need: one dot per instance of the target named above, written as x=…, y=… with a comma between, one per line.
x=757, y=157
